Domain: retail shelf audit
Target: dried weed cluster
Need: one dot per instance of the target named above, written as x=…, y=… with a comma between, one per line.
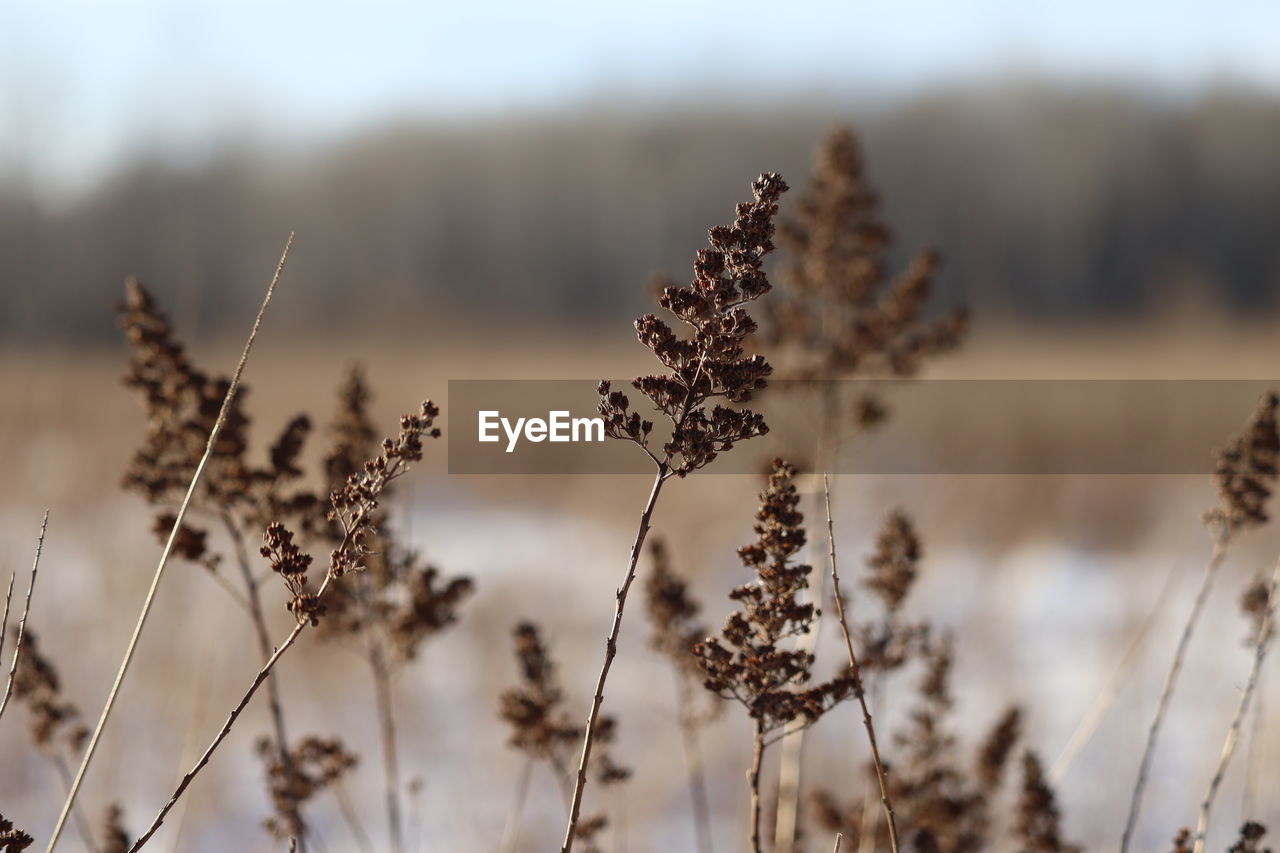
x=839, y=313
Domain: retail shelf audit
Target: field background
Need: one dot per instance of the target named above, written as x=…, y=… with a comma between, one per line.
x=1106, y=200
x=1044, y=580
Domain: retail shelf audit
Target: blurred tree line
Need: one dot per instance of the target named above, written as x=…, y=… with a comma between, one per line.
x=1047, y=204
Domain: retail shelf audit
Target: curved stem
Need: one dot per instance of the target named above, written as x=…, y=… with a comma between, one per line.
x=856, y=674
x=1261, y=646
x=253, y=606
x=1106, y=698
x=791, y=761
x=191, y=774
x=26, y=610
x=1171, y=679
x=610, y=651
x=147, y=602
x=511, y=834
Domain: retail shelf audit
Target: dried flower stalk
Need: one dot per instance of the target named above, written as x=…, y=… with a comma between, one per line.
x=181, y=403
x=746, y=662
x=165, y=554
x=353, y=509
x=542, y=729
x=12, y=839
x=709, y=365
x=840, y=314
x=1037, y=828
x=855, y=672
x=1244, y=473
x=1261, y=613
x=391, y=607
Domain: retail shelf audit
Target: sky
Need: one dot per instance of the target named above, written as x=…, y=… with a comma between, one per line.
x=84, y=85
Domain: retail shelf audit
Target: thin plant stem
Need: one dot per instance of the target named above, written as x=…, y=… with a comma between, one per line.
x=611, y=650
x=856, y=673
x=232, y=388
x=511, y=834
x=753, y=780
x=1216, y=558
x=352, y=817
x=82, y=824
x=870, y=797
x=4, y=621
x=253, y=606
x=195, y=721
x=26, y=611
x=393, y=470
x=1106, y=698
x=1261, y=646
x=1254, y=756
x=387, y=737
x=791, y=760
x=693, y=761
x=204, y=758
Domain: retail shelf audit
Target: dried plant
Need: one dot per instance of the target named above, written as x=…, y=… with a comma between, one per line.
x=993, y=757
x=709, y=365
x=55, y=722
x=315, y=764
x=225, y=413
x=840, y=317
x=1261, y=616
x=886, y=642
x=1244, y=473
x=114, y=837
x=20, y=636
x=394, y=603
x=676, y=631
x=353, y=509
x=56, y=727
x=1037, y=824
x=894, y=593
x=12, y=839
x=939, y=802
x=388, y=608
x=543, y=730
x=182, y=403
x=1250, y=840
x=747, y=662
x=839, y=313
x=934, y=795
